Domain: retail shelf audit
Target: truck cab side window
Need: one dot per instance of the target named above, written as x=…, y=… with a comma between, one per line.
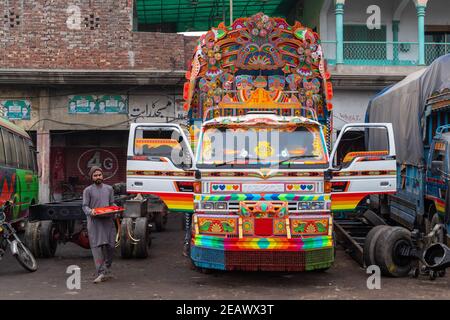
x=355, y=143
x=161, y=143
x=440, y=152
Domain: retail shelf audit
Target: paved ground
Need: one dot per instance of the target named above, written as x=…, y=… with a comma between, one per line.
x=166, y=275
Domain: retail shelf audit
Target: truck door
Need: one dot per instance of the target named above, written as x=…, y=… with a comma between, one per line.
x=160, y=162
x=357, y=172
x=437, y=176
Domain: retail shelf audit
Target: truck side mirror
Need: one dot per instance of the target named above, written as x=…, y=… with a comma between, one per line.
x=436, y=167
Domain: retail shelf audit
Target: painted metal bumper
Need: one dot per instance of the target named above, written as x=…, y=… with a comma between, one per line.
x=262, y=254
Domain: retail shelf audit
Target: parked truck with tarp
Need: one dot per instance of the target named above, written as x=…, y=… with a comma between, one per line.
x=260, y=179
x=419, y=212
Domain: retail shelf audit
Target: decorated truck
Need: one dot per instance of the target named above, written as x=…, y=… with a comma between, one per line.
x=253, y=164
x=418, y=108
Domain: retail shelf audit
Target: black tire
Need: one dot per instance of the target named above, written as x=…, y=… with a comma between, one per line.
x=183, y=222
x=141, y=232
x=427, y=219
x=25, y=258
x=161, y=218
x=387, y=247
x=31, y=238
x=440, y=238
x=373, y=218
x=47, y=241
x=159, y=224
x=370, y=243
x=126, y=246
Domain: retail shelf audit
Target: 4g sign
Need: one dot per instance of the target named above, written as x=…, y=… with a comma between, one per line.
x=99, y=158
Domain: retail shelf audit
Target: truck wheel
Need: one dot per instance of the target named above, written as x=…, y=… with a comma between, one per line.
x=161, y=219
x=183, y=222
x=373, y=218
x=126, y=247
x=370, y=243
x=31, y=238
x=387, y=252
x=141, y=232
x=47, y=239
x=439, y=237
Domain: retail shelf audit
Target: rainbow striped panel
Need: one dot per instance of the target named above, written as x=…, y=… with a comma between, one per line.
x=440, y=205
x=255, y=243
x=346, y=201
x=177, y=202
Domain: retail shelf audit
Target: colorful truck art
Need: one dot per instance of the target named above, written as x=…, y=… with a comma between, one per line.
x=265, y=204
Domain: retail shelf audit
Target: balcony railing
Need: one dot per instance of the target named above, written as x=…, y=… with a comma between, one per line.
x=374, y=53
x=382, y=53
x=434, y=50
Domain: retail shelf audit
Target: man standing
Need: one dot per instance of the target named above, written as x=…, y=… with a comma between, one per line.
x=101, y=230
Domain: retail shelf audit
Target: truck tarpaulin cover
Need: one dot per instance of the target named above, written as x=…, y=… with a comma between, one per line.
x=404, y=106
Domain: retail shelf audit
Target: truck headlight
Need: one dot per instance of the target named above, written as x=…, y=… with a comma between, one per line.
x=207, y=205
x=304, y=205
x=317, y=205
x=220, y=205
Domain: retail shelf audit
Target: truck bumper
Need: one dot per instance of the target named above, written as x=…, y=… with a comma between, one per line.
x=262, y=254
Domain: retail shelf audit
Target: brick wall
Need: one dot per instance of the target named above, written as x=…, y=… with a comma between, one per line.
x=80, y=34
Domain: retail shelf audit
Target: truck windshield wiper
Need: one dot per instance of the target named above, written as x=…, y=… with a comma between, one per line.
x=304, y=156
x=231, y=162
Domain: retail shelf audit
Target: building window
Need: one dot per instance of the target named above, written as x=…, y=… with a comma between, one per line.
x=358, y=46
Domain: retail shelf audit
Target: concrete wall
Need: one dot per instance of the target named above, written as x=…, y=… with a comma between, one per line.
x=349, y=106
x=146, y=104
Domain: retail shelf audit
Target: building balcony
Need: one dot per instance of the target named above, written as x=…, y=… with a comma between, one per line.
x=382, y=53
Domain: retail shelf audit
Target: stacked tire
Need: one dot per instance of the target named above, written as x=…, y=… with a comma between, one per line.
x=135, y=239
x=40, y=238
x=384, y=246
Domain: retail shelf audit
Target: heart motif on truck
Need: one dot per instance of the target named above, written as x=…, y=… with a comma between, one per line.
x=222, y=187
x=310, y=187
x=215, y=186
x=235, y=187
x=303, y=187
x=289, y=186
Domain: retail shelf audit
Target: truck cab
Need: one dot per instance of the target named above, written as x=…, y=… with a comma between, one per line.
x=263, y=187
x=438, y=179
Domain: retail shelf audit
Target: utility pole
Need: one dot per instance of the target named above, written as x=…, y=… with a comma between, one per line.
x=231, y=12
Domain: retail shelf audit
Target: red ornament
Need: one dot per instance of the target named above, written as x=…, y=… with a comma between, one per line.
x=329, y=91
x=186, y=91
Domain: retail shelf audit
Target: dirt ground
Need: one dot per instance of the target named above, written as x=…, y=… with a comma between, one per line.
x=166, y=275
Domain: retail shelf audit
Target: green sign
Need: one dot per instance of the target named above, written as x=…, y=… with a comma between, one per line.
x=17, y=109
x=106, y=104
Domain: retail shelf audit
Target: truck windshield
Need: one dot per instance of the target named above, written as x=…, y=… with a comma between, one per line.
x=244, y=147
